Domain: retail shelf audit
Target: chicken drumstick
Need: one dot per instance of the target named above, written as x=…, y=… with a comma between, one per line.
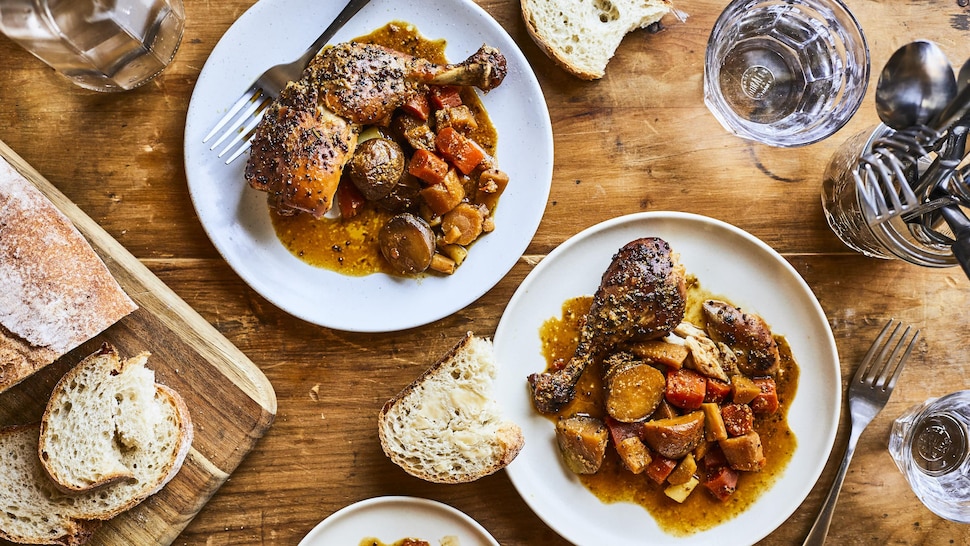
x=641, y=296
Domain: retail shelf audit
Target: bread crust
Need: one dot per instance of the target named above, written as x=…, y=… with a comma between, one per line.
x=508, y=436
x=55, y=292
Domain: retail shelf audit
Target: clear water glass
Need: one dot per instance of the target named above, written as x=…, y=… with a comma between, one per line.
x=931, y=446
x=104, y=45
x=785, y=72
x=850, y=220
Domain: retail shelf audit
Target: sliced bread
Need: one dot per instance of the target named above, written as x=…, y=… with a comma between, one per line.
x=446, y=427
x=34, y=509
x=101, y=408
x=582, y=35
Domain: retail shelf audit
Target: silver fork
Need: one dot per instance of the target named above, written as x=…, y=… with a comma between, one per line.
x=266, y=88
x=881, y=178
x=869, y=391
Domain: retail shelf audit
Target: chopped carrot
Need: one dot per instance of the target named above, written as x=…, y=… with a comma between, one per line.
x=717, y=391
x=462, y=224
x=659, y=468
x=738, y=419
x=766, y=401
x=464, y=153
x=443, y=96
x=685, y=388
x=418, y=106
x=428, y=167
x=722, y=483
x=349, y=199
x=445, y=195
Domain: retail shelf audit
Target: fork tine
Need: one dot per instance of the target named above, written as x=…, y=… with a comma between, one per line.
x=246, y=97
x=245, y=136
x=870, y=357
x=890, y=384
x=258, y=103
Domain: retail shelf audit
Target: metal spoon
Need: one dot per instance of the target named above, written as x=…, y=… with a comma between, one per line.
x=916, y=84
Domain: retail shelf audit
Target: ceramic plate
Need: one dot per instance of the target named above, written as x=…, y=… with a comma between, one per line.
x=236, y=218
x=726, y=260
x=390, y=519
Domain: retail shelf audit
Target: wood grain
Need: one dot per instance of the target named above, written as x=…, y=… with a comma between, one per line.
x=639, y=139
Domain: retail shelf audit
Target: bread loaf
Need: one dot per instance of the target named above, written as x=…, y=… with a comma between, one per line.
x=582, y=35
x=445, y=427
x=55, y=292
x=145, y=440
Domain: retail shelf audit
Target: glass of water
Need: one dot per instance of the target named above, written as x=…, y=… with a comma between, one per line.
x=785, y=72
x=104, y=45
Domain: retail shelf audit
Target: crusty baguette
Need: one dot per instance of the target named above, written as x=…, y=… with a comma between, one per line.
x=582, y=37
x=55, y=292
x=37, y=511
x=446, y=427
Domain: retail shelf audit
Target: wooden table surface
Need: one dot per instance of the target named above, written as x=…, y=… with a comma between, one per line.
x=638, y=140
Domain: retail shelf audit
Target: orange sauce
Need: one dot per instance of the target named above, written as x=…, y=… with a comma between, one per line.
x=614, y=483
x=349, y=246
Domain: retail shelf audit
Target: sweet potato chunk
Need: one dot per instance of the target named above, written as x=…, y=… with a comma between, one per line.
x=582, y=442
x=744, y=452
x=634, y=389
x=675, y=437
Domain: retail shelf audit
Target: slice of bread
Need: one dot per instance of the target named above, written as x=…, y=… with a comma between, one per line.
x=446, y=427
x=100, y=408
x=581, y=36
x=32, y=513
x=55, y=292
x=35, y=510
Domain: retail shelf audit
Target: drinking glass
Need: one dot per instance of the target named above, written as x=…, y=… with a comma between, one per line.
x=104, y=45
x=930, y=444
x=785, y=72
x=849, y=218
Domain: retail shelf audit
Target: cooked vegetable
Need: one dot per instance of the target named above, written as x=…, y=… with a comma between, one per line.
x=631, y=449
x=714, y=425
x=717, y=391
x=684, y=471
x=414, y=131
x=766, y=401
x=349, y=200
x=680, y=492
x=685, y=388
x=443, y=264
x=744, y=389
x=376, y=167
x=491, y=184
x=407, y=243
x=669, y=354
x=634, y=389
x=675, y=437
x=582, y=442
x=722, y=482
x=418, y=106
x=464, y=153
x=405, y=195
x=428, y=167
x=738, y=419
x=444, y=195
x=660, y=468
x=458, y=117
x=445, y=96
x=744, y=452
x=463, y=224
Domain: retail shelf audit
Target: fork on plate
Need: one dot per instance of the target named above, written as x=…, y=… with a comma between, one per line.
x=869, y=391
x=267, y=87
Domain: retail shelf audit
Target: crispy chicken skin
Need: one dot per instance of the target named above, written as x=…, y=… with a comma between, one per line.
x=744, y=332
x=310, y=132
x=642, y=296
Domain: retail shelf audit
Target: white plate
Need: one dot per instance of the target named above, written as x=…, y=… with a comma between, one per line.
x=726, y=261
x=236, y=218
x=390, y=519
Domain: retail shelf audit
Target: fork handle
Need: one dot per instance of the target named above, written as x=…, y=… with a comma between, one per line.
x=345, y=15
x=816, y=536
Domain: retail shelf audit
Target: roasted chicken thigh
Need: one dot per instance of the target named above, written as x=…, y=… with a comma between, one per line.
x=307, y=135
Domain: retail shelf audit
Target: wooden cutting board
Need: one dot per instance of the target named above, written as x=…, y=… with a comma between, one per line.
x=231, y=402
